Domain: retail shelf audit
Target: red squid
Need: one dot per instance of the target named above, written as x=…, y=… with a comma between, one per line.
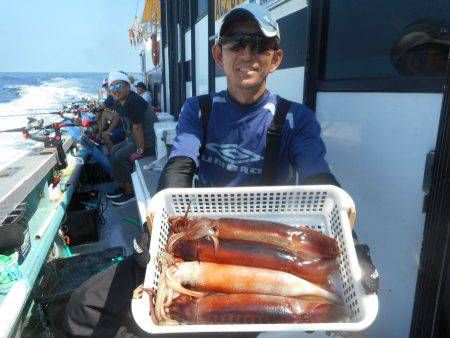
x=253, y=309
x=257, y=255
x=296, y=239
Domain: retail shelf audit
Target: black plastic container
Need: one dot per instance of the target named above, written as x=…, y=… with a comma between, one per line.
x=15, y=234
x=83, y=222
x=93, y=173
x=60, y=277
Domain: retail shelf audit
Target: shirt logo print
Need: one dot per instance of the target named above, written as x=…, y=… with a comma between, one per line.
x=233, y=153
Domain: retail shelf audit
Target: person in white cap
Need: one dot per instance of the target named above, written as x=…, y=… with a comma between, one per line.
x=103, y=87
x=227, y=146
x=137, y=118
x=104, y=116
x=245, y=135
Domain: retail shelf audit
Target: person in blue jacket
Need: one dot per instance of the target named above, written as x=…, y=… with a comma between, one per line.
x=228, y=150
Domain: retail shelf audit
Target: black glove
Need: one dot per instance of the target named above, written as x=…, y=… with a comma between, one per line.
x=370, y=278
x=141, y=246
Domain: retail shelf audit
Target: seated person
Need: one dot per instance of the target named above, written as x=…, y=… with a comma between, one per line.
x=138, y=119
x=141, y=89
x=101, y=306
x=103, y=116
x=115, y=133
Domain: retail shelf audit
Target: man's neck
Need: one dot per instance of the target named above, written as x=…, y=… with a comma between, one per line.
x=122, y=102
x=247, y=96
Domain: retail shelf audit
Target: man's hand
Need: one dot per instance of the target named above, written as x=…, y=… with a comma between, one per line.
x=135, y=156
x=141, y=246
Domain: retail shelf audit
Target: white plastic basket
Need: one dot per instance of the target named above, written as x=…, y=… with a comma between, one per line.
x=322, y=208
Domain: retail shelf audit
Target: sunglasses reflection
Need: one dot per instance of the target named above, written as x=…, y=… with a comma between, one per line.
x=118, y=86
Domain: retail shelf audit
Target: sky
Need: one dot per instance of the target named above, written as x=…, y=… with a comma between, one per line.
x=67, y=35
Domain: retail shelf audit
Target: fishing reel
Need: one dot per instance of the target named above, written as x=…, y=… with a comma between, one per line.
x=49, y=140
x=73, y=119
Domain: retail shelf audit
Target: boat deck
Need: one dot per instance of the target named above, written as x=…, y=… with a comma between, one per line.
x=116, y=230
x=121, y=224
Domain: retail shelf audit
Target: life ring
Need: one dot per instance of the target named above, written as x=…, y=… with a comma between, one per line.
x=132, y=38
x=155, y=51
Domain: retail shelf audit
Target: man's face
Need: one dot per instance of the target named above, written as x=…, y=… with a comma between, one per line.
x=120, y=89
x=243, y=67
x=139, y=90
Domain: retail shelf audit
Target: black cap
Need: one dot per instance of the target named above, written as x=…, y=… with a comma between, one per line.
x=419, y=34
x=141, y=85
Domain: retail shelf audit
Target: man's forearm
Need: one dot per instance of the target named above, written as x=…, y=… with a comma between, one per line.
x=177, y=173
x=138, y=134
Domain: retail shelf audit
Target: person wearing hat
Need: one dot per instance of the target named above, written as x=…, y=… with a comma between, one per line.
x=103, y=87
x=141, y=89
x=422, y=49
x=227, y=151
x=104, y=117
x=137, y=118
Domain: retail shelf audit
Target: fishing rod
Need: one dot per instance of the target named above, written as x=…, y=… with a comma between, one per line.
x=30, y=114
x=84, y=100
x=38, y=125
x=32, y=124
x=39, y=108
x=69, y=108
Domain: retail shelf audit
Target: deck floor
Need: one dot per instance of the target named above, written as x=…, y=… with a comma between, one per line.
x=115, y=231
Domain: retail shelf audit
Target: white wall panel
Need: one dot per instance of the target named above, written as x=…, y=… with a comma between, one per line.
x=188, y=89
x=377, y=145
x=187, y=45
x=201, y=56
x=287, y=83
x=221, y=83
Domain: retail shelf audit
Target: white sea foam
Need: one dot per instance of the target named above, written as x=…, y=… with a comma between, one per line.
x=48, y=96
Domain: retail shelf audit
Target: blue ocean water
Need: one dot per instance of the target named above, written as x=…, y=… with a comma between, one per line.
x=33, y=94
x=14, y=86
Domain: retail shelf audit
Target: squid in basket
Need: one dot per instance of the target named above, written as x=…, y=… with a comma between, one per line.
x=230, y=271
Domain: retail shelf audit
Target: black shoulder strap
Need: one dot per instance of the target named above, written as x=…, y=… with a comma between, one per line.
x=205, y=103
x=273, y=142
x=205, y=109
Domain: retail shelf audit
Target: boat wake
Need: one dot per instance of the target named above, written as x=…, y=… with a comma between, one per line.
x=35, y=99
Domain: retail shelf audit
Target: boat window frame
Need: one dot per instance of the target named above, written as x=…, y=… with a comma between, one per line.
x=211, y=62
x=188, y=6
x=199, y=16
x=162, y=53
x=193, y=56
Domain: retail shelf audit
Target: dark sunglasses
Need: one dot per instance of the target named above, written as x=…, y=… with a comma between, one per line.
x=117, y=86
x=258, y=43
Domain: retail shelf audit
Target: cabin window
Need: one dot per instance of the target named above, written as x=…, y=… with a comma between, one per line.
x=385, y=39
x=202, y=8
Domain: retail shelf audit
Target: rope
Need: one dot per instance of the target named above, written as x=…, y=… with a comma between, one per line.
x=137, y=6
